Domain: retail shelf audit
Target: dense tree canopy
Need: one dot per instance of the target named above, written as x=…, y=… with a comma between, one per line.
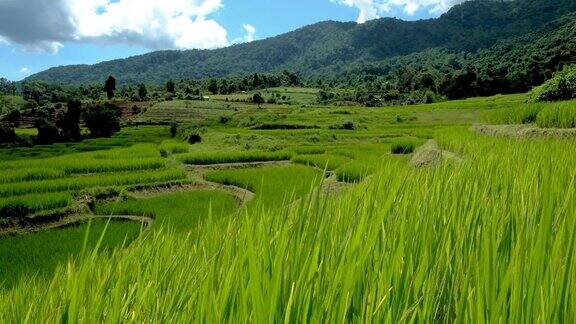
x=102, y=119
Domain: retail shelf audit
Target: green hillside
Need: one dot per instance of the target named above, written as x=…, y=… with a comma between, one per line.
x=330, y=49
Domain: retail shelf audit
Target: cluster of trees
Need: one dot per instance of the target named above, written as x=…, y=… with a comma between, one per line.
x=7, y=87
x=182, y=89
x=57, y=112
x=375, y=97
x=195, y=89
x=9, y=119
x=9, y=111
x=561, y=87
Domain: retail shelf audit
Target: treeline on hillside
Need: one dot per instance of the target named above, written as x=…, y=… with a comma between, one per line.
x=182, y=89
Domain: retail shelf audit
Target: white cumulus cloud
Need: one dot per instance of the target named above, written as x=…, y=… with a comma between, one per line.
x=45, y=25
x=249, y=35
x=372, y=9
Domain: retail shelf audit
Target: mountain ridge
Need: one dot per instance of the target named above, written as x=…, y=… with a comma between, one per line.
x=326, y=49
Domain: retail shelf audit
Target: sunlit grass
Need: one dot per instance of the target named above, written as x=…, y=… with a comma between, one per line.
x=492, y=239
x=203, y=158
x=182, y=211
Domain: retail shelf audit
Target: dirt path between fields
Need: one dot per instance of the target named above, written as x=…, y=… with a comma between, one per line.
x=71, y=221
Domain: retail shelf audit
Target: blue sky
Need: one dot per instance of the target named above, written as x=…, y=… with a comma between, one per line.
x=39, y=34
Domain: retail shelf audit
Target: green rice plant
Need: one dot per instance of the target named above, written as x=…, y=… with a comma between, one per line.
x=490, y=240
x=135, y=151
x=351, y=154
x=404, y=146
x=86, y=181
x=205, y=158
x=76, y=165
x=127, y=164
x=79, y=163
x=20, y=175
x=517, y=114
x=20, y=206
x=175, y=147
x=38, y=255
x=308, y=150
x=275, y=126
x=180, y=211
x=323, y=161
x=558, y=115
x=357, y=170
x=273, y=186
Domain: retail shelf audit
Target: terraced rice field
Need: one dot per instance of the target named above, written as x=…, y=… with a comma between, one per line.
x=244, y=226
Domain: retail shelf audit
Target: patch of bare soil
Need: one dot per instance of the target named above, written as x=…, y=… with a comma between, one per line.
x=430, y=155
x=523, y=131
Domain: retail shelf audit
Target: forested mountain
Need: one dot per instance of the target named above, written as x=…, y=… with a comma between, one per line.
x=487, y=36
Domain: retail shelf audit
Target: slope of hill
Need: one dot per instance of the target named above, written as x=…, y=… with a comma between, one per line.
x=515, y=64
x=328, y=49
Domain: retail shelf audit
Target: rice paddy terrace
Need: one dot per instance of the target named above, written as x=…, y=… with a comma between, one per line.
x=324, y=207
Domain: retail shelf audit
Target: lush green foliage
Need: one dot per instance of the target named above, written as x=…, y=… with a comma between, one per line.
x=232, y=157
x=102, y=120
x=403, y=146
x=9, y=118
x=562, y=115
x=561, y=87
